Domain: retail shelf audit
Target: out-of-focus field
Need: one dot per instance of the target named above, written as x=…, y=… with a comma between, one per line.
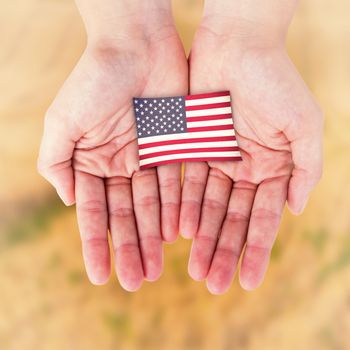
x=46, y=301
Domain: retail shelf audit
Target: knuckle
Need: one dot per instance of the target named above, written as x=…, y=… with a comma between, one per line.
x=201, y=237
x=228, y=251
x=151, y=237
x=244, y=185
x=266, y=214
x=92, y=206
x=147, y=201
x=193, y=180
x=260, y=247
x=191, y=203
x=125, y=246
x=169, y=182
x=94, y=240
x=144, y=173
x=117, y=181
x=121, y=212
x=218, y=174
x=234, y=216
x=170, y=205
x=213, y=204
x=154, y=239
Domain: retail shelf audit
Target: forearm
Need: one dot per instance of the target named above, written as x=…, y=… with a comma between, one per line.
x=250, y=19
x=124, y=20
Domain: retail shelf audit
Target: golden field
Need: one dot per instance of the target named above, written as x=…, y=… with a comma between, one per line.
x=46, y=301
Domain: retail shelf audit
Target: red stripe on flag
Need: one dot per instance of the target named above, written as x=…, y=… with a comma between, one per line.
x=209, y=117
x=212, y=94
x=191, y=150
x=210, y=128
x=193, y=140
x=208, y=106
x=189, y=160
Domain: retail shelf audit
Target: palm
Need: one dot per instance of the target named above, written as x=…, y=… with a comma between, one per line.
x=242, y=202
x=108, y=147
x=97, y=135
x=263, y=103
x=107, y=82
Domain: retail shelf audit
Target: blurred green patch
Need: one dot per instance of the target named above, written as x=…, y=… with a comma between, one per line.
x=276, y=251
x=118, y=323
x=54, y=261
x=75, y=277
x=32, y=221
x=339, y=263
x=327, y=339
x=317, y=239
x=157, y=318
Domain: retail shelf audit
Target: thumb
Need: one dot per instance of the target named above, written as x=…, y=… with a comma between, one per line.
x=55, y=156
x=308, y=163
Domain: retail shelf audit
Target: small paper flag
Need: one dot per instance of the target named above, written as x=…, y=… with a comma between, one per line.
x=185, y=128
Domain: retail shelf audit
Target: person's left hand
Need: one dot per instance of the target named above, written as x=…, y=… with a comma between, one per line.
x=227, y=206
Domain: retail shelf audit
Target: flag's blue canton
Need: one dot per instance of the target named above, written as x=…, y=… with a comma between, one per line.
x=160, y=116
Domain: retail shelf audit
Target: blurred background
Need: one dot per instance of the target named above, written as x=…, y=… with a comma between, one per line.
x=46, y=301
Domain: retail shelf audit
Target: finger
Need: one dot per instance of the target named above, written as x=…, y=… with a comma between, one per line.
x=232, y=238
x=195, y=180
x=169, y=180
x=264, y=222
x=308, y=161
x=214, y=207
x=147, y=213
x=56, y=150
x=92, y=220
x=122, y=226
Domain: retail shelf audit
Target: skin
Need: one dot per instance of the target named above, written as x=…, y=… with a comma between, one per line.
x=89, y=148
x=232, y=210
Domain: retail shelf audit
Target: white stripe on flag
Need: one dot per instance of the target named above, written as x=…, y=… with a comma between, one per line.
x=216, y=122
x=183, y=136
x=208, y=100
x=187, y=146
x=189, y=155
x=212, y=111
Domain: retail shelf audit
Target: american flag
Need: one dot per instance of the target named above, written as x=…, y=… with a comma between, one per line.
x=185, y=128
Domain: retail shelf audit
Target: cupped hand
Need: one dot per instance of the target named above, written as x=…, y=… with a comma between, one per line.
x=234, y=208
x=89, y=154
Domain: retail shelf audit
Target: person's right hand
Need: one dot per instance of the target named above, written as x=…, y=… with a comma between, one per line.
x=89, y=151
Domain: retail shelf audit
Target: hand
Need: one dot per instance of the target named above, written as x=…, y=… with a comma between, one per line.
x=89, y=150
x=227, y=206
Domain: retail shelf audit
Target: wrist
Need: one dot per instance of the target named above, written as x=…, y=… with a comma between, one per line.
x=248, y=22
x=121, y=23
x=241, y=33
